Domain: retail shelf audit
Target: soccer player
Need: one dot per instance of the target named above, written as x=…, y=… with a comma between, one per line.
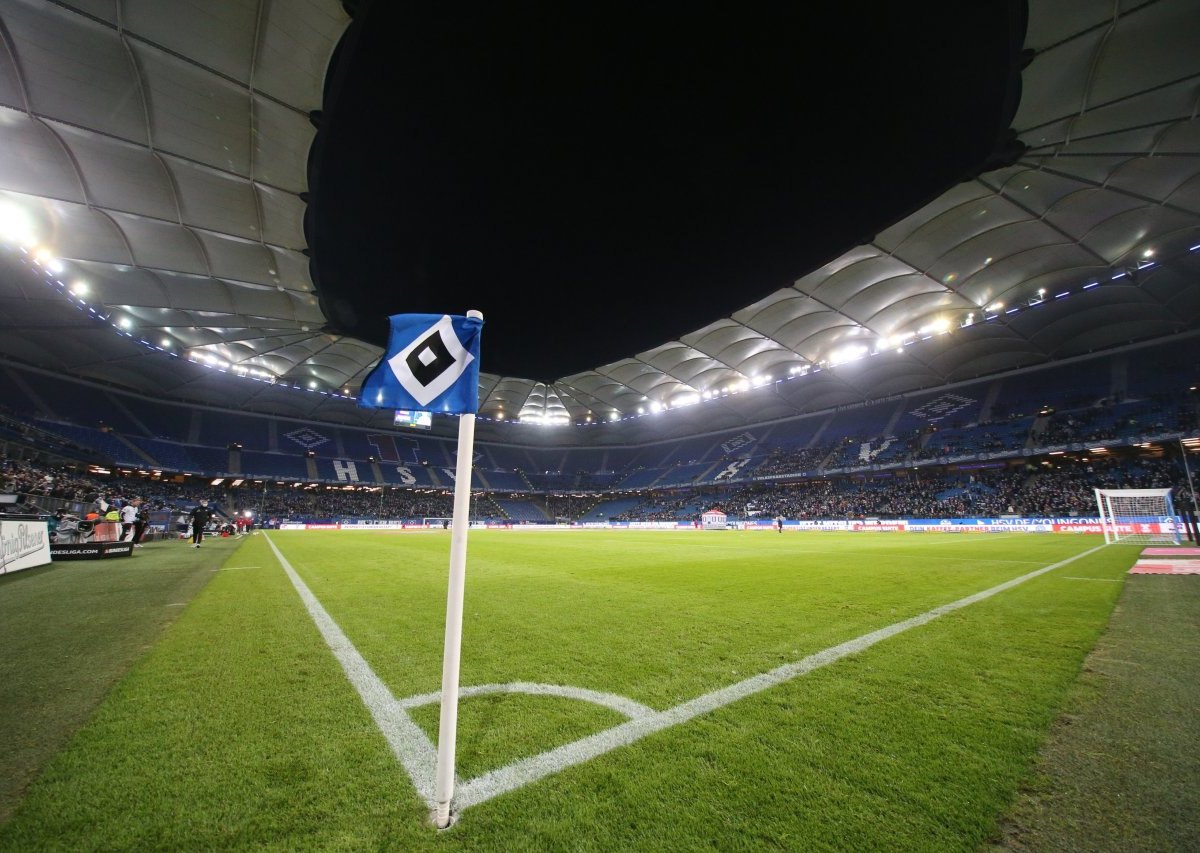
x=779, y=523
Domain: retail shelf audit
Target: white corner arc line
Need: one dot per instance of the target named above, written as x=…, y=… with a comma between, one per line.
x=521, y=773
x=626, y=707
x=409, y=743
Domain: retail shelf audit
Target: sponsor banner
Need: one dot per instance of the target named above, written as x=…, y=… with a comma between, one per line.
x=656, y=525
x=828, y=524
x=23, y=545
x=91, y=551
x=879, y=526
x=375, y=525
x=1123, y=529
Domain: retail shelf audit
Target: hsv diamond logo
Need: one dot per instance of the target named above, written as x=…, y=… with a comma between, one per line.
x=428, y=366
x=307, y=437
x=738, y=442
x=943, y=406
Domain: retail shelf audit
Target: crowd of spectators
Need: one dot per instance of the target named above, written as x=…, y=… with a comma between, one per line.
x=667, y=506
x=1052, y=487
x=21, y=477
x=791, y=460
x=1055, y=490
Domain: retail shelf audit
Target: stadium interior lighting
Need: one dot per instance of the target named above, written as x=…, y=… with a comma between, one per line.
x=615, y=416
x=237, y=482
x=312, y=384
x=656, y=407
x=79, y=287
x=846, y=354
x=125, y=322
x=165, y=342
x=499, y=416
x=1149, y=253
x=16, y=226
x=996, y=307
x=217, y=481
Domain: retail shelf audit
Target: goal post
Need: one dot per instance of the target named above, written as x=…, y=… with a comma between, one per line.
x=436, y=521
x=1138, y=516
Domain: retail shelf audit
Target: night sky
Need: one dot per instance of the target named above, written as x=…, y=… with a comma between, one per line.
x=601, y=178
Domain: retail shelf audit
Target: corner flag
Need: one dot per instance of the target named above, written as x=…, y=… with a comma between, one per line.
x=431, y=365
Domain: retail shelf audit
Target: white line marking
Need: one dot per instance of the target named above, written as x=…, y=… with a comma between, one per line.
x=181, y=604
x=626, y=707
x=235, y=568
x=418, y=756
x=521, y=773
x=409, y=743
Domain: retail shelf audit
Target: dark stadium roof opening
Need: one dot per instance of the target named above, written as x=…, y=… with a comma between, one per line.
x=598, y=178
x=155, y=169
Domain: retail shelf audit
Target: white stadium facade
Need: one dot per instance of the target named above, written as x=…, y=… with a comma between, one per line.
x=152, y=192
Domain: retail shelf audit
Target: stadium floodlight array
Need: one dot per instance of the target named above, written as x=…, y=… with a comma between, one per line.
x=1138, y=516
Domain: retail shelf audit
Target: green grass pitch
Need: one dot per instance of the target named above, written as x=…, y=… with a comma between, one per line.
x=239, y=728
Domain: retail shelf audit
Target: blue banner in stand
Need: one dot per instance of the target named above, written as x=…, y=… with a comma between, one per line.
x=431, y=364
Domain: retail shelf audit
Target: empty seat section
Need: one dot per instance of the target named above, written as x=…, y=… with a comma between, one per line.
x=684, y=474
x=520, y=510
x=161, y=419
x=104, y=443
x=506, y=481
x=274, y=465
x=172, y=456
x=221, y=429
x=605, y=510
x=79, y=403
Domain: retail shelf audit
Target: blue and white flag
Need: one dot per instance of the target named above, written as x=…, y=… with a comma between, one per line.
x=431, y=364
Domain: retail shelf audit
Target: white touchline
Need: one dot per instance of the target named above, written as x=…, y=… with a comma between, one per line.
x=418, y=756
x=411, y=746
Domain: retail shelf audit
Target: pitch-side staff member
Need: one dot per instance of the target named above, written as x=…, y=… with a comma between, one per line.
x=199, y=516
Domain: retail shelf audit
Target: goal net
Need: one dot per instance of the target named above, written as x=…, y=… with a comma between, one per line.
x=436, y=521
x=1138, y=515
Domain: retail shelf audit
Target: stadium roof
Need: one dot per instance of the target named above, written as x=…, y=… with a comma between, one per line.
x=153, y=162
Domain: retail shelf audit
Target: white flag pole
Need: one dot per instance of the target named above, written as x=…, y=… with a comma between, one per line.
x=448, y=725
